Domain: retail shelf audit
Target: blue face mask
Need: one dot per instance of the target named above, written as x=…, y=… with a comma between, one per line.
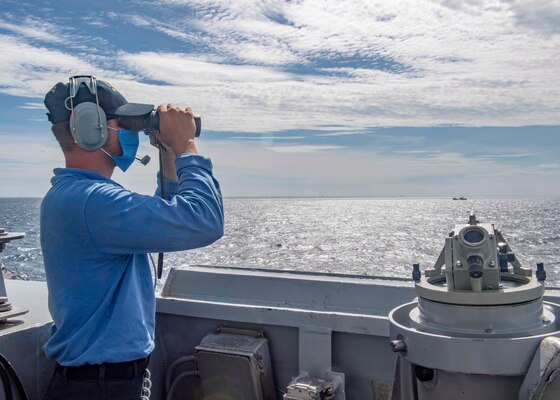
x=129, y=145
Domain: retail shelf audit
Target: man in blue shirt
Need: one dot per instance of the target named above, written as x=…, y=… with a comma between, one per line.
x=95, y=236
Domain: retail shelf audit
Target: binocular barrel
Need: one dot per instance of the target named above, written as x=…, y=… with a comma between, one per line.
x=154, y=122
x=150, y=122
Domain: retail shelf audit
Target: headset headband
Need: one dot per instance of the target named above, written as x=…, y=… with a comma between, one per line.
x=76, y=81
x=74, y=84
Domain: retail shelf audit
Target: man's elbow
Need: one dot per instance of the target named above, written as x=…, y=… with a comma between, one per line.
x=207, y=221
x=217, y=231
x=213, y=230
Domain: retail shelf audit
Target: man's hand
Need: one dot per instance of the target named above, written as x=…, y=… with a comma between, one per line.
x=177, y=129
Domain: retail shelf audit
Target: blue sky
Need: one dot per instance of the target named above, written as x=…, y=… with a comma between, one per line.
x=308, y=97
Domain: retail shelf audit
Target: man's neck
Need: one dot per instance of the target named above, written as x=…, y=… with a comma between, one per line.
x=96, y=161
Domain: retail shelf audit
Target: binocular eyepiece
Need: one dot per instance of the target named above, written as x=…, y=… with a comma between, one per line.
x=149, y=122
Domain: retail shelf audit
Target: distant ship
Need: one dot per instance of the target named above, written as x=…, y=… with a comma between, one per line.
x=459, y=198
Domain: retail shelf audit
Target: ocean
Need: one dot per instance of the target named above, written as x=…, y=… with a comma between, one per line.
x=364, y=236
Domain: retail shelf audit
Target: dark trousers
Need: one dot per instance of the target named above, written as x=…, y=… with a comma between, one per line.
x=68, y=385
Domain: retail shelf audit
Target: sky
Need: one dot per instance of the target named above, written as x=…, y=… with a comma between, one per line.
x=305, y=97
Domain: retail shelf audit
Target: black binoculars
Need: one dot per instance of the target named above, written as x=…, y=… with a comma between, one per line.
x=149, y=122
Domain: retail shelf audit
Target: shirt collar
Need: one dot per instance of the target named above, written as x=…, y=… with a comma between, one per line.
x=77, y=173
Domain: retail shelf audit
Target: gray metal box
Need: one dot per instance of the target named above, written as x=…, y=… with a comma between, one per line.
x=235, y=367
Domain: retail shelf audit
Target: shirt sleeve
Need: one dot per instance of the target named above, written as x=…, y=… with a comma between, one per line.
x=122, y=222
x=169, y=187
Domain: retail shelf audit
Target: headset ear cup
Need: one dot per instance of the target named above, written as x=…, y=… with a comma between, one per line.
x=88, y=124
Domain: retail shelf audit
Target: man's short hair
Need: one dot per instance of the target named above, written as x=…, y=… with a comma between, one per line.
x=62, y=133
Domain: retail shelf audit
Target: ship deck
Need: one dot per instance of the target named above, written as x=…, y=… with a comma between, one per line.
x=319, y=323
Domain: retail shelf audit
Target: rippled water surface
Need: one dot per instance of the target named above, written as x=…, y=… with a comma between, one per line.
x=380, y=236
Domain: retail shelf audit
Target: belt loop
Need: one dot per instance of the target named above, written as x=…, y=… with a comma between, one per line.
x=135, y=369
x=65, y=374
x=101, y=375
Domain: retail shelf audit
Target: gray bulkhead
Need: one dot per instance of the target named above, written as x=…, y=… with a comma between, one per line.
x=316, y=323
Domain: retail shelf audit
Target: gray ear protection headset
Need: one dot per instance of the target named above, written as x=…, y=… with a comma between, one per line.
x=88, y=122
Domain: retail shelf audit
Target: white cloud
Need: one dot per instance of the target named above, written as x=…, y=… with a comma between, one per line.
x=304, y=148
x=33, y=29
x=275, y=100
x=413, y=152
x=178, y=69
x=428, y=63
x=263, y=53
x=513, y=155
x=30, y=71
x=151, y=23
x=540, y=15
x=44, y=30
x=248, y=169
x=550, y=166
x=43, y=68
x=95, y=21
x=33, y=106
x=423, y=63
x=342, y=133
x=266, y=138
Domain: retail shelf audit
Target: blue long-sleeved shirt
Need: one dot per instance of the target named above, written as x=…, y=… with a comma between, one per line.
x=95, y=236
